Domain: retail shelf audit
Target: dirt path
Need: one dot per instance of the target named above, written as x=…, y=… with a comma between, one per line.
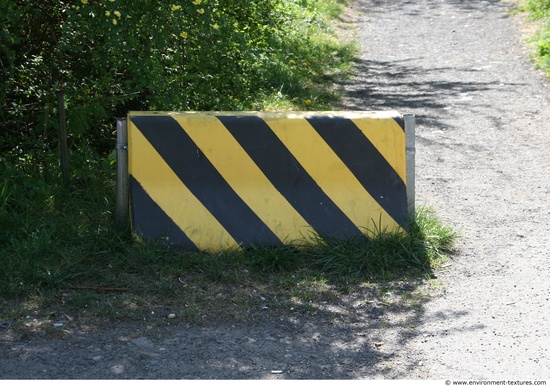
x=483, y=117
x=483, y=120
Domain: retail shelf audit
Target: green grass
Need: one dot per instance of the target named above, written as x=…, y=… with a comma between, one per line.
x=539, y=10
x=60, y=251
x=311, y=58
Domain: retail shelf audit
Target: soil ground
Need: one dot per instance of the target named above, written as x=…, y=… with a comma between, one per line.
x=482, y=162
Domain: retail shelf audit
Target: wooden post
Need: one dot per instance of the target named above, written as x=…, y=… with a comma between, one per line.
x=64, y=153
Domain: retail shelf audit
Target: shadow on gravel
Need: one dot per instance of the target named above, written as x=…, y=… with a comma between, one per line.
x=399, y=85
x=360, y=335
x=357, y=335
x=331, y=329
x=379, y=6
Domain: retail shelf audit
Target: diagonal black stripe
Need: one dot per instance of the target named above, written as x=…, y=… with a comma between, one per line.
x=205, y=182
x=289, y=177
x=366, y=163
x=151, y=222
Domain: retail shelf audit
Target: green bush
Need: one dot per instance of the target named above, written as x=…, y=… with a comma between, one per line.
x=112, y=56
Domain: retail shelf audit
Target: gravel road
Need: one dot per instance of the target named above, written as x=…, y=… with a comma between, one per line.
x=483, y=120
x=482, y=163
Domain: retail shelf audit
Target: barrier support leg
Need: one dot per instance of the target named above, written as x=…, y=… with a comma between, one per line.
x=410, y=154
x=122, y=203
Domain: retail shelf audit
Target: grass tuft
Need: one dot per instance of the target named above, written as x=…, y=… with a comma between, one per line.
x=384, y=255
x=539, y=10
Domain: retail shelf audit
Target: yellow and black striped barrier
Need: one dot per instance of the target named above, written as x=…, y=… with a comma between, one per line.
x=219, y=180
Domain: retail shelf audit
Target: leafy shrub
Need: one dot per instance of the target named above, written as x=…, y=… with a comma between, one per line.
x=112, y=56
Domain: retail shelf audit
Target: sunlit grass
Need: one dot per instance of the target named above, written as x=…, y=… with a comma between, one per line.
x=539, y=10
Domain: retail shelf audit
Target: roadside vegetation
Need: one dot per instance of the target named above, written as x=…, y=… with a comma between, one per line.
x=539, y=10
x=59, y=247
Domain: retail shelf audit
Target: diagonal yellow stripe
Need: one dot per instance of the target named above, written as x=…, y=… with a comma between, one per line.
x=244, y=177
x=330, y=173
x=389, y=138
x=168, y=191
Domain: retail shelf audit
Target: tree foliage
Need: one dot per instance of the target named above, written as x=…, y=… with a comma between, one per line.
x=112, y=56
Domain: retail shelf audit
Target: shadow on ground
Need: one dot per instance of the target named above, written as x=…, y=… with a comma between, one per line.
x=407, y=88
